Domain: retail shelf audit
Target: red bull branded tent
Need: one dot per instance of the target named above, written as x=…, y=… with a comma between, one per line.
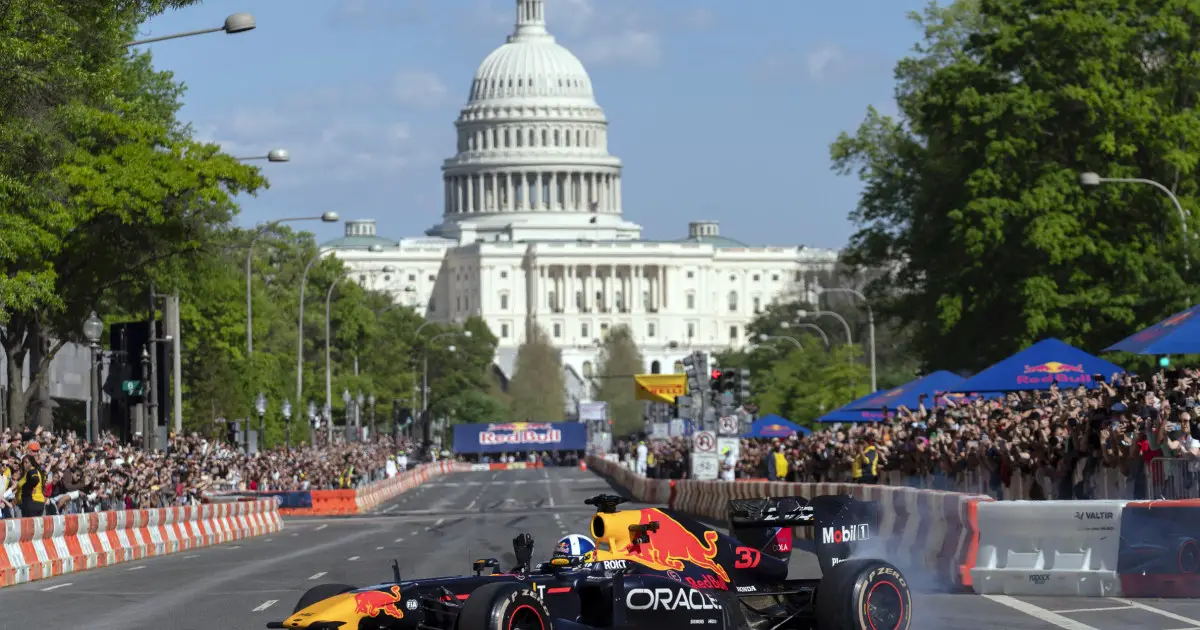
x=1039, y=365
x=773, y=426
x=1177, y=334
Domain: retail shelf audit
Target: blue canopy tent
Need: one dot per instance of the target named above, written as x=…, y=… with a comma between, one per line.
x=909, y=394
x=1036, y=367
x=847, y=412
x=772, y=426
x=1177, y=334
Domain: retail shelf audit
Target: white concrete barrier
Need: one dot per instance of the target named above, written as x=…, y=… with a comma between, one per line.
x=1054, y=548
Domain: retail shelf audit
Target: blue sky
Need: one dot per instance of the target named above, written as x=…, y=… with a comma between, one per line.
x=720, y=110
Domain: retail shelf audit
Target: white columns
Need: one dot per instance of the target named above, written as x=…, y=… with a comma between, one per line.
x=460, y=194
x=508, y=190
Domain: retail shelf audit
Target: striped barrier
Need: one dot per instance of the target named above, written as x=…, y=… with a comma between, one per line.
x=923, y=530
x=48, y=546
x=371, y=495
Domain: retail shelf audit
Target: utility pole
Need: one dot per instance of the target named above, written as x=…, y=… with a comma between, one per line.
x=151, y=393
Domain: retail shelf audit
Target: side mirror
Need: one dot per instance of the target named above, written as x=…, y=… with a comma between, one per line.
x=479, y=566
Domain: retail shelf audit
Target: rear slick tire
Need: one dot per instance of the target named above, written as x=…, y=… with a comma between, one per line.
x=504, y=606
x=864, y=594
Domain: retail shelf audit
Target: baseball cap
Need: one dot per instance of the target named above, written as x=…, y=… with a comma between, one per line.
x=34, y=447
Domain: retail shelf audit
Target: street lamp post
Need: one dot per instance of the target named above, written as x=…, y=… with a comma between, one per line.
x=371, y=414
x=820, y=331
x=313, y=421
x=328, y=217
x=287, y=423
x=300, y=320
x=329, y=335
x=260, y=405
x=93, y=329
x=870, y=324
x=236, y=23
x=425, y=371
x=1093, y=179
x=274, y=155
x=347, y=400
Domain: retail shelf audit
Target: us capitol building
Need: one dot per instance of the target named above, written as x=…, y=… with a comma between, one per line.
x=533, y=231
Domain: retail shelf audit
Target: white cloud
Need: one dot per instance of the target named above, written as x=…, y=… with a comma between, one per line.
x=419, y=89
x=823, y=61
x=700, y=19
x=632, y=47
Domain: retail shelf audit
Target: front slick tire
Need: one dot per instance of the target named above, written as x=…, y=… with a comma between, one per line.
x=864, y=594
x=504, y=606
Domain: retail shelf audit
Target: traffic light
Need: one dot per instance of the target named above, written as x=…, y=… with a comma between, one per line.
x=695, y=366
x=716, y=374
x=683, y=407
x=743, y=385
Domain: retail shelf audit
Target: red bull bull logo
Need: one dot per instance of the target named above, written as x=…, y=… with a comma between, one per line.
x=375, y=603
x=1053, y=372
x=673, y=545
x=520, y=433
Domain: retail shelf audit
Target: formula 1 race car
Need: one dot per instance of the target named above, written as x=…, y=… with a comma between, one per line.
x=653, y=569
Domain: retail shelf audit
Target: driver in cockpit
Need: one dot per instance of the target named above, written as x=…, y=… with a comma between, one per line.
x=571, y=553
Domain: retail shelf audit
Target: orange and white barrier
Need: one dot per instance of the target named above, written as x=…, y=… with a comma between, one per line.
x=371, y=495
x=927, y=529
x=47, y=546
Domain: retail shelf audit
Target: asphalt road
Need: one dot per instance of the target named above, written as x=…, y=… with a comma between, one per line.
x=439, y=529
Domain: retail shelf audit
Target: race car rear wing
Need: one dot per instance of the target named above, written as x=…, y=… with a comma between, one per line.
x=841, y=524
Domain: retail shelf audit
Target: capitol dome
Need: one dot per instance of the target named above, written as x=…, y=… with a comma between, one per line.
x=532, y=159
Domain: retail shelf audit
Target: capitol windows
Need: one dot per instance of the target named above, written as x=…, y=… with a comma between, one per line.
x=756, y=277
x=600, y=300
x=432, y=278
x=557, y=331
x=691, y=274
x=504, y=301
x=733, y=302
x=552, y=301
x=503, y=274
x=583, y=331
x=733, y=333
x=646, y=300
x=691, y=331
x=587, y=369
x=556, y=138
x=650, y=330
x=691, y=301
x=504, y=331
x=774, y=277
x=757, y=305
x=579, y=301
x=545, y=137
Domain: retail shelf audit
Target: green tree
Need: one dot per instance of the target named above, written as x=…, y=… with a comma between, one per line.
x=538, y=384
x=102, y=187
x=972, y=198
x=620, y=360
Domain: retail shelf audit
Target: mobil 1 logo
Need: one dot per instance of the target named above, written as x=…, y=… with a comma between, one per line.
x=844, y=534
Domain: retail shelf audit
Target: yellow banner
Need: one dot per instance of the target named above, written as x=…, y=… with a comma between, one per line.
x=660, y=387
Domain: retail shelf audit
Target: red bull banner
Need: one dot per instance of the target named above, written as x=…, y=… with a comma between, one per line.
x=515, y=437
x=662, y=388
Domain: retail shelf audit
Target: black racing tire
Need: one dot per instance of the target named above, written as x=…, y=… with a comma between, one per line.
x=504, y=606
x=319, y=593
x=864, y=594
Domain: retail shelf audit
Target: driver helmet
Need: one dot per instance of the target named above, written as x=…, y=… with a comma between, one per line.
x=576, y=548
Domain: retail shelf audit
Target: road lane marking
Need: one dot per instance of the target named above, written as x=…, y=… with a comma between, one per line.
x=439, y=522
x=399, y=540
x=317, y=576
x=138, y=568
x=379, y=549
x=1083, y=610
x=265, y=605
x=352, y=558
x=320, y=528
x=1039, y=613
x=234, y=547
x=191, y=556
x=391, y=509
x=471, y=504
x=270, y=539
x=1158, y=611
x=51, y=588
x=415, y=532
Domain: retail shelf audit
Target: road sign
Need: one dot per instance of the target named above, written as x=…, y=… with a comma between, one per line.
x=133, y=388
x=705, y=466
x=729, y=426
x=704, y=442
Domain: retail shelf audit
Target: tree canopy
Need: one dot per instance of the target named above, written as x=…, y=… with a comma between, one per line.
x=538, y=382
x=972, y=198
x=620, y=360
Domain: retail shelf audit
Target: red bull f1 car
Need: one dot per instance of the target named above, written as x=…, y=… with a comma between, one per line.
x=654, y=569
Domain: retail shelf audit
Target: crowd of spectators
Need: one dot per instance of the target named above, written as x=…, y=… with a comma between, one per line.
x=56, y=473
x=1131, y=437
